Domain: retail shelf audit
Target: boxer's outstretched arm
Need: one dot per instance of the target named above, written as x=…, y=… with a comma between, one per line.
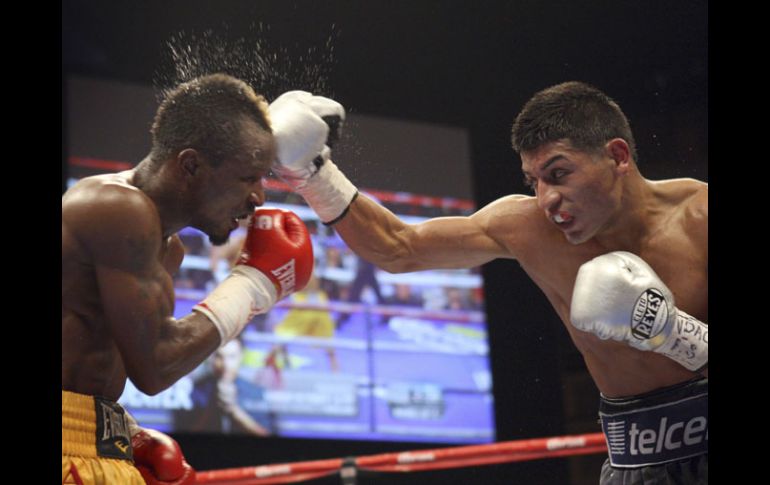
x=376, y=234
x=305, y=126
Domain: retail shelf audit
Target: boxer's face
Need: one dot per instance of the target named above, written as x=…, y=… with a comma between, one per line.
x=578, y=191
x=232, y=190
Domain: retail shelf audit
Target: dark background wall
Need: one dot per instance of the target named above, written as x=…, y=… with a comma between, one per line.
x=468, y=64
x=108, y=119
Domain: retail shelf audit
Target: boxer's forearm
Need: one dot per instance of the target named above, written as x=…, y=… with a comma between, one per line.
x=178, y=347
x=376, y=234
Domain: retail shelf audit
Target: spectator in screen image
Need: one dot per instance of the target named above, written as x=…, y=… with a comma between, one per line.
x=457, y=299
x=313, y=322
x=332, y=259
x=403, y=296
x=225, y=402
x=366, y=277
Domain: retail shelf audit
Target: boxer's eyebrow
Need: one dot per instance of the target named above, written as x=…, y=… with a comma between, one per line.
x=547, y=164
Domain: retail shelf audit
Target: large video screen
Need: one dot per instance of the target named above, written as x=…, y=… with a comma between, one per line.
x=359, y=354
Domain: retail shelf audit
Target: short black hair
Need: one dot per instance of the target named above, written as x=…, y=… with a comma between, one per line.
x=575, y=111
x=206, y=114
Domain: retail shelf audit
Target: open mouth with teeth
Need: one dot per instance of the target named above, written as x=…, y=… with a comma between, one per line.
x=562, y=218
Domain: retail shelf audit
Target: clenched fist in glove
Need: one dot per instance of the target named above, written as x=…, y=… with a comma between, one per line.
x=276, y=260
x=160, y=460
x=305, y=127
x=618, y=296
x=158, y=457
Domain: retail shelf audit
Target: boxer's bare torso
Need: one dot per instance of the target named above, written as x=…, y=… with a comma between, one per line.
x=586, y=205
x=91, y=360
x=674, y=245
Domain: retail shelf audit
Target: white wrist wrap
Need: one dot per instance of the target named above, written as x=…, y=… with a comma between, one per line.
x=688, y=342
x=232, y=304
x=328, y=192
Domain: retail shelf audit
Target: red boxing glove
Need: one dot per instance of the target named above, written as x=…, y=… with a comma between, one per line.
x=276, y=260
x=278, y=245
x=159, y=459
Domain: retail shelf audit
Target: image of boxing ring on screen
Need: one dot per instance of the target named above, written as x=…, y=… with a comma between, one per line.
x=358, y=354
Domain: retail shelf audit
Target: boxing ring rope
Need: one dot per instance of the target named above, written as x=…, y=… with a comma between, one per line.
x=411, y=461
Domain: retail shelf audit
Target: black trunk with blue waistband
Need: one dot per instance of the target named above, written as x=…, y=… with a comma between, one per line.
x=662, y=426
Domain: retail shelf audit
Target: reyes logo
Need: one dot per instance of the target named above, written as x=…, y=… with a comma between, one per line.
x=650, y=314
x=648, y=441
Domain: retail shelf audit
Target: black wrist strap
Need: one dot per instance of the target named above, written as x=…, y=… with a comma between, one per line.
x=344, y=213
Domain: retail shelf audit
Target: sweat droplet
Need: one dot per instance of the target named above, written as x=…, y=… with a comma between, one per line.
x=270, y=67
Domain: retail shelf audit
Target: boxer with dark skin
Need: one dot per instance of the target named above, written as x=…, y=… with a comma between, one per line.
x=212, y=145
x=593, y=213
x=117, y=283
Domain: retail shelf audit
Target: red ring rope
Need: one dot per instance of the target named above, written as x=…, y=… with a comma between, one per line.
x=412, y=461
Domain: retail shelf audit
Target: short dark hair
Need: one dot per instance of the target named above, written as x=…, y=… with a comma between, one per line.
x=206, y=114
x=575, y=111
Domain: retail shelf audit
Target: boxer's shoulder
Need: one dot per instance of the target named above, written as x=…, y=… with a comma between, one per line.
x=514, y=222
x=687, y=202
x=683, y=191
x=101, y=211
x=510, y=211
x=98, y=189
x=516, y=219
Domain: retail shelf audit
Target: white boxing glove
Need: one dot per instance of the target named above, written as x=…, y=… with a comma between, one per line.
x=618, y=296
x=304, y=127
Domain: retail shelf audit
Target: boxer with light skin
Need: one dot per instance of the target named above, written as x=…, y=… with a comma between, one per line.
x=622, y=259
x=212, y=144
